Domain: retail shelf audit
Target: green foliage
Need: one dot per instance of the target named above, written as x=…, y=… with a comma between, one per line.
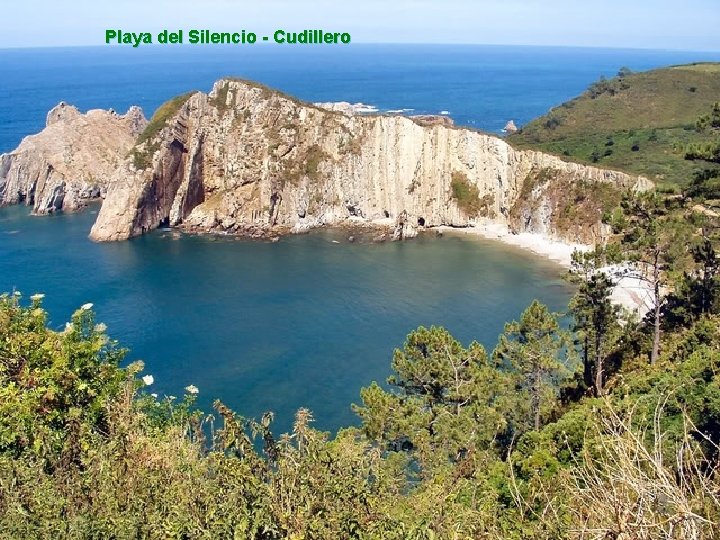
x=651, y=118
x=656, y=239
x=610, y=87
x=530, y=349
x=706, y=151
x=85, y=453
x=315, y=156
x=705, y=185
x=55, y=387
x=697, y=290
x=711, y=120
x=467, y=195
x=442, y=388
x=220, y=101
x=596, y=323
x=146, y=145
x=162, y=115
x=142, y=158
x=307, y=164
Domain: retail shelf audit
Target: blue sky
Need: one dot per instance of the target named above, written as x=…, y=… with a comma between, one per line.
x=663, y=24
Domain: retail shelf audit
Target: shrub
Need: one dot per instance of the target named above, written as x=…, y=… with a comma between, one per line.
x=466, y=194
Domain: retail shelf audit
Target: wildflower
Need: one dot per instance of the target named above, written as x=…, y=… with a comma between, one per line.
x=100, y=328
x=148, y=380
x=192, y=389
x=68, y=327
x=87, y=306
x=37, y=297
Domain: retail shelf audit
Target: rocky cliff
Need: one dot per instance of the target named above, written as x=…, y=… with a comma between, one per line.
x=71, y=161
x=244, y=159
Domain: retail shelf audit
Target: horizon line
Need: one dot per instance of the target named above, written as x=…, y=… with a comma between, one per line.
x=362, y=43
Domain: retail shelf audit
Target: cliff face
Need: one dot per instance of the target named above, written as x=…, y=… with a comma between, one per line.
x=244, y=158
x=70, y=161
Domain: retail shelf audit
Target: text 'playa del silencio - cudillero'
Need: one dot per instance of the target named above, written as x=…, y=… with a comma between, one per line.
x=243, y=37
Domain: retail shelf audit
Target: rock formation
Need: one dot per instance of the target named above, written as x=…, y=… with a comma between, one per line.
x=510, y=127
x=246, y=158
x=70, y=161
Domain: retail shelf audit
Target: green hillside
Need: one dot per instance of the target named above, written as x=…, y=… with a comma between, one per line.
x=636, y=122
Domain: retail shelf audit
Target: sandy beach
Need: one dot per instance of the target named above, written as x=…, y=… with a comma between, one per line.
x=559, y=252
x=630, y=292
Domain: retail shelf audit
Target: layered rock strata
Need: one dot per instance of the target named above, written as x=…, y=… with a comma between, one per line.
x=245, y=157
x=71, y=161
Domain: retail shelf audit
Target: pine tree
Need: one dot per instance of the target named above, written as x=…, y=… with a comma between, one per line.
x=444, y=395
x=596, y=323
x=657, y=241
x=531, y=349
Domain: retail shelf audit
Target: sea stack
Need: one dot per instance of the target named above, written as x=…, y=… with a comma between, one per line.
x=510, y=127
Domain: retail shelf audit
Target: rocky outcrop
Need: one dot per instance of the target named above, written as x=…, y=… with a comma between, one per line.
x=71, y=161
x=244, y=157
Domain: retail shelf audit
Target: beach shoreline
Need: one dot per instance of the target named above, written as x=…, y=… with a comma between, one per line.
x=629, y=292
x=554, y=250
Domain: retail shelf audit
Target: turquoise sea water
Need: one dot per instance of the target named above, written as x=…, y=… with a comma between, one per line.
x=305, y=321
x=271, y=326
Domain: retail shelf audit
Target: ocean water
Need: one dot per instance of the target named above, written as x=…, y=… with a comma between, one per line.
x=311, y=319
x=306, y=321
x=480, y=86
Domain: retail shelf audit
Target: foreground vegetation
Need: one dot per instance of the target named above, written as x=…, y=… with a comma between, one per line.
x=642, y=123
x=607, y=429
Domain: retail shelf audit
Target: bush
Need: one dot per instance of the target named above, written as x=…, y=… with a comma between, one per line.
x=467, y=195
x=552, y=123
x=55, y=387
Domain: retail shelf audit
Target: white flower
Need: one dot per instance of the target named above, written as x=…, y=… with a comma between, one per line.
x=87, y=306
x=192, y=389
x=148, y=380
x=100, y=328
x=37, y=297
x=68, y=327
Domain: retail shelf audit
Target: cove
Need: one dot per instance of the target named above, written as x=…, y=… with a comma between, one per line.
x=303, y=322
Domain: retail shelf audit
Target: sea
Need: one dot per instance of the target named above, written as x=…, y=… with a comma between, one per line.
x=309, y=320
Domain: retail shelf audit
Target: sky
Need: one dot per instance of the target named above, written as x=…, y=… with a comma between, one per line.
x=653, y=24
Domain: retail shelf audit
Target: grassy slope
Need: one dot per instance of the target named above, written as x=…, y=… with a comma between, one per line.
x=655, y=110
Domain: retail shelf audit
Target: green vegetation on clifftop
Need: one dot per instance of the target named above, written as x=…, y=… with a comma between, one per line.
x=142, y=158
x=635, y=122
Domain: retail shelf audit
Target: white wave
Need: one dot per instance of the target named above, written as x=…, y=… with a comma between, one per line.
x=347, y=108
